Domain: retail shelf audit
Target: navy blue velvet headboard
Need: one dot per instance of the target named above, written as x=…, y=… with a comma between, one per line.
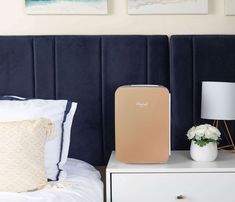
x=88, y=69
x=195, y=59
x=85, y=69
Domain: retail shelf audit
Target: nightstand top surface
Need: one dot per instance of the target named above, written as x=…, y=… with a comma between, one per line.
x=179, y=161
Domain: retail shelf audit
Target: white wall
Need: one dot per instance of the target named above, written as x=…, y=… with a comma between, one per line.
x=14, y=21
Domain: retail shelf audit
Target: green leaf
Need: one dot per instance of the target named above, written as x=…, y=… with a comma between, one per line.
x=203, y=142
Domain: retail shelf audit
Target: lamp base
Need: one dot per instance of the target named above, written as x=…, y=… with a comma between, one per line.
x=230, y=146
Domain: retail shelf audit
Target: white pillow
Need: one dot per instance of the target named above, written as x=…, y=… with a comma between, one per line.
x=22, y=146
x=60, y=112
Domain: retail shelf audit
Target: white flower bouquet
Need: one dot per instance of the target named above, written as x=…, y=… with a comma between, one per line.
x=204, y=134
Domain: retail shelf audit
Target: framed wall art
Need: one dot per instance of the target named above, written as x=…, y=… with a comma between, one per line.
x=167, y=6
x=230, y=7
x=66, y=6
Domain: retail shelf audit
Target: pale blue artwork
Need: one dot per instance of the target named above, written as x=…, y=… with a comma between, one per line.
x=167, y=6
x=66, y=6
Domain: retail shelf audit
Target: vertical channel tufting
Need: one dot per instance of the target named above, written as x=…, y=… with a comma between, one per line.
x=16, y=66
x=102, y=100
x=147, y=63
x=78, y=78
x=158, y=60
x=44, y=66
x=35, y=94
x=55, y=68
x=193, y=81
x=181, y=89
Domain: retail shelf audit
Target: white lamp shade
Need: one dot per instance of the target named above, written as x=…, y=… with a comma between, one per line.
x=218, y=100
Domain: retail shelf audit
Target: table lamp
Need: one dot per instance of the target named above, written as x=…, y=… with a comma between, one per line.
x=218, y=104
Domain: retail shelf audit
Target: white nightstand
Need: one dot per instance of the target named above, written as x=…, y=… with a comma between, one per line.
x=181, y=179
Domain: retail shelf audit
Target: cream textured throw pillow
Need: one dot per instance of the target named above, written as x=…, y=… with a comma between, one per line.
x=22, y=146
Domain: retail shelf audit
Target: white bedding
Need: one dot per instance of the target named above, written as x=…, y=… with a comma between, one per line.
x=82, y=184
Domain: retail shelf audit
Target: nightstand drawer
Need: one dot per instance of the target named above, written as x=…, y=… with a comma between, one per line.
x=171, y=187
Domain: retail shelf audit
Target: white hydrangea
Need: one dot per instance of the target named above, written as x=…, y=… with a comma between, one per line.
x=191, y=133
x=205, y=131
x=212, y=133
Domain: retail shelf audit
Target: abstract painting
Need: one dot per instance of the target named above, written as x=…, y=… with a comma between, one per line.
x=167, y=6
x=230, y=7
x=66, y=6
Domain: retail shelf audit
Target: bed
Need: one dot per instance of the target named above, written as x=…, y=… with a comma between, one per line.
x=82, y=184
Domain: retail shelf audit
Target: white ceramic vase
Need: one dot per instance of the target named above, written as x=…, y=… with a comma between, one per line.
x=209, y=152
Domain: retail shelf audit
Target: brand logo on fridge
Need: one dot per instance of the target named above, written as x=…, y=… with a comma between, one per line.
x=142, y=104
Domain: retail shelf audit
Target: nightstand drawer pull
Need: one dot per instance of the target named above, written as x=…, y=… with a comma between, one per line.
x=180, y=197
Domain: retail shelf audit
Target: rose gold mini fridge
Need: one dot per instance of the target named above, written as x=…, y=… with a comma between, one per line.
x=142, y=124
